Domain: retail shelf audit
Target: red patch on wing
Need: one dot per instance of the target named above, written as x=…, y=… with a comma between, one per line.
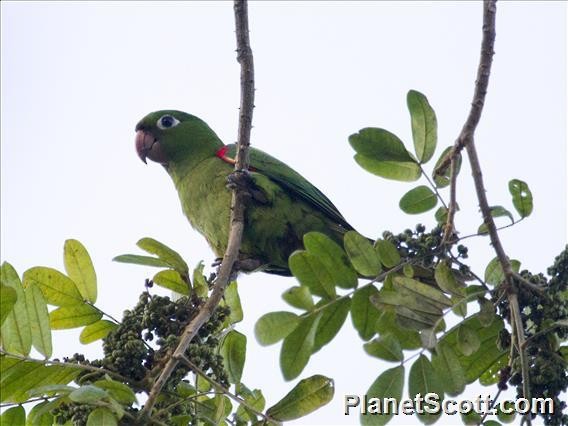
x=222, y=154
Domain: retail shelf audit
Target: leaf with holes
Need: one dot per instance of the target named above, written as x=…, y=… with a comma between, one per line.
x=522, y=197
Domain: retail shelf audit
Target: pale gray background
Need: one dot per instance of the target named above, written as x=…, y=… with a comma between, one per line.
x=76, y=77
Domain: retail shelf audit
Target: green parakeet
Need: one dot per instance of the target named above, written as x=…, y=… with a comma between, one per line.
x=284, y=205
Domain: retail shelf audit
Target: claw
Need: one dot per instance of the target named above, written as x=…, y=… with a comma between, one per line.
x=243, y=180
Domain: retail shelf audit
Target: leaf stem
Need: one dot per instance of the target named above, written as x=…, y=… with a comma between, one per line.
x=226, y=391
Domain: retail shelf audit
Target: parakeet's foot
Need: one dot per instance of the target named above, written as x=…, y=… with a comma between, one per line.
x=247, y=265
x=243, y=180
x=240, y=265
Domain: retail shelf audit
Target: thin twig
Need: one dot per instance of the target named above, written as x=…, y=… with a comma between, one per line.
x=453, y=205
x=245, y=59
x=433, y=186
x=224, y=390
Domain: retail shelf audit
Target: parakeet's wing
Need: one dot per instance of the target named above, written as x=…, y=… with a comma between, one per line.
x=293, y=182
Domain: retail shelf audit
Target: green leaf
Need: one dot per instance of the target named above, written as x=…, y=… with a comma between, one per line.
x=18, y=377
x=379, y=144
x=442, y=178
x=447, y=366
x=492, y=375
x=447, y=281
x=387, y=324
x=172, y=280
x=58, y=289
x=87, y=394
x=51, y=390
x=491, y=423
x=214, y=410
x=361, y=253
x=389, y=384
x=332, y=319
x=185, y=390
x=199, y=284
x=522, y=197
x=13, y=416
x=311, y=272
x=510, y=416
x=416, y=320
x=171, y=257
x=275, y=326
x=385, y=347
x=102, y=416
x=119, y=391
x=471, y=418
x=73, y=316
x=431, y=296
x=468, y=341
x=254, y=399
x=298, y=347
x=97, y=330
x=441, y=215
x=333, y=257
x=486, y=312
x=363, y=313
x=488, y=353
x=408, y=171
x=137, y=259
x=233, y=301
x=8, y=298
x=424, y=125
x=299, y=297
x=16, y=331
x=388, y=254
x=418, y=200
x=40, y=414
x=408, y=270
x=233, y=350
x=307, y=396
x=494, y=274
x=428, y=338
x=496, y=211
x=423, y=379
x=80, y=269
x=39, y=320
x=460, y=306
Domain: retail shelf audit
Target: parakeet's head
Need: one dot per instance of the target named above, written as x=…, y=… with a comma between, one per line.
x=174, y=136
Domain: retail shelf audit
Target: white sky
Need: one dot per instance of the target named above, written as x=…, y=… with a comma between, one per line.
x=76, y=77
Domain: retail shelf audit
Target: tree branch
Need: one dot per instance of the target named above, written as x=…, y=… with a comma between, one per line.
x=466, y=139
x=238, y=205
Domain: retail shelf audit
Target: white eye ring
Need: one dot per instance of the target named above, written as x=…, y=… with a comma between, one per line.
x=167, y=122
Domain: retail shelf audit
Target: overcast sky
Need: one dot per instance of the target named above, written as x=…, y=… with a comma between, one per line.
x=77, y=76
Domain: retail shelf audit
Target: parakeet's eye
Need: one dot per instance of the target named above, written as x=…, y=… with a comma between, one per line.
x=167, y=121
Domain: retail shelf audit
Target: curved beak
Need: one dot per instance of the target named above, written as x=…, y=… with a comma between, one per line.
x=147, y=146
